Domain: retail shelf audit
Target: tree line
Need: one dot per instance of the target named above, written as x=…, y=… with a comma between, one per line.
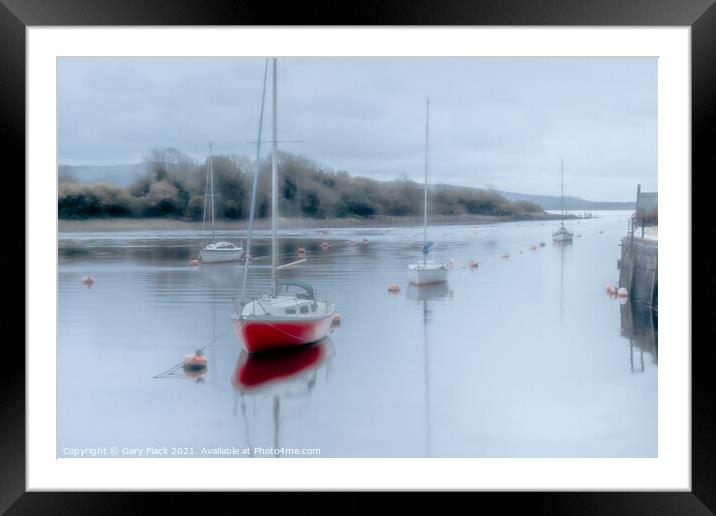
x=174, y=186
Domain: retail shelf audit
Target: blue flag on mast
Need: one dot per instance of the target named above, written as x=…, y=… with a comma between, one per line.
x=427, y=247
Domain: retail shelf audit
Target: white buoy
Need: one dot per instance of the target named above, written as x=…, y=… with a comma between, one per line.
x=623, y=292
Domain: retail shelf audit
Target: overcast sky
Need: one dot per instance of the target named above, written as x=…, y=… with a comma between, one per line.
x=497, y=122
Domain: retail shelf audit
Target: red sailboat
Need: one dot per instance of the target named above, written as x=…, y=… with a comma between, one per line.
x=283, y=320
x=291, y=315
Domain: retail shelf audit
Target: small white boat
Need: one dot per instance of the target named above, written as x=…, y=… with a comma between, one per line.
x=216, y=252
x=427, y=272
x=562, y=235
x=221, y=252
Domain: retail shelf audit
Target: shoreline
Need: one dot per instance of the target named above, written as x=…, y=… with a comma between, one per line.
x=153, y=224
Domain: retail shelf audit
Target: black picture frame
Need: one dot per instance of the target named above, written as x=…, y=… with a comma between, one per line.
x=700, y=15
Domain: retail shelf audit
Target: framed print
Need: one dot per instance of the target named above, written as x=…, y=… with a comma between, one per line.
x=412, y=250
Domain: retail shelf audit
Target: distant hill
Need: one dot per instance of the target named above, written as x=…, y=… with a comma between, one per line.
x=553, y=202
x=120, y=175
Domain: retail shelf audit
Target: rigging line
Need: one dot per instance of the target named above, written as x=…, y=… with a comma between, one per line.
x=206, y=193
x=200, y=350
x=249, y=236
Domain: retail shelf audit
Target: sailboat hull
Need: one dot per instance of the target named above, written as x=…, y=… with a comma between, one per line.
x=562, y=236
x=217, y=255
x=428, y=277
x=427, y=272
x=260, y=334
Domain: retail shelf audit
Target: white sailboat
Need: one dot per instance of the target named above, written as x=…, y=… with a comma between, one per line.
x=216, y=251
x=291, y=314
x=427, y=272
x=562, y=235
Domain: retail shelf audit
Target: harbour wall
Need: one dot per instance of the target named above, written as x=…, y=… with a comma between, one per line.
x=639, y=269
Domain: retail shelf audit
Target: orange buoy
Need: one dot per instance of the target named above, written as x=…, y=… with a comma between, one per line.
x=194, y=361
x=324, y=245
x=88, y=281
x=194, y=262
x=393, y=288
x=336, y=320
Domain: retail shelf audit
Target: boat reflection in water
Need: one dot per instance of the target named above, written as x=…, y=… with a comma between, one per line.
x=428, y=292
x=424, y=295
x=282, y=374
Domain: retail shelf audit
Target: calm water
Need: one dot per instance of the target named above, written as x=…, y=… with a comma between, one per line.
x=523, y=357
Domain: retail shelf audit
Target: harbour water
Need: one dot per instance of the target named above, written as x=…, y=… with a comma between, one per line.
x=523, y=356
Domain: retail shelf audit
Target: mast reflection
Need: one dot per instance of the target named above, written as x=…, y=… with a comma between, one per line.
x=277, y=375
x=424, y=295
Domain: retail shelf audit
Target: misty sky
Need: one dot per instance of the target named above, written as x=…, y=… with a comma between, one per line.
x=494, y=122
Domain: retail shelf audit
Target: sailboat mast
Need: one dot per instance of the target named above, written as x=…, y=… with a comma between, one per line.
x=206, y=191
x=211, y=175
x=274, y=190
x=425, y=193
x=561, y=168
